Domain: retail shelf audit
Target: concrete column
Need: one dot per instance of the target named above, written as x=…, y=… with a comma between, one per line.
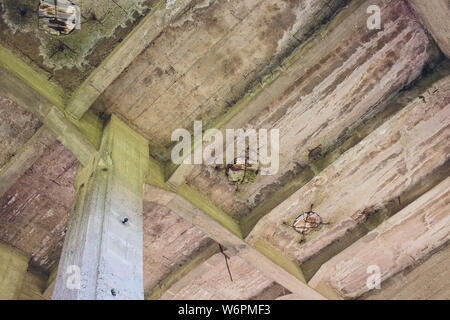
x=13, y=268
x=102, y=254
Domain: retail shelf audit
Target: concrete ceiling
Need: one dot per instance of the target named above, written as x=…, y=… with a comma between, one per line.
x=373, y=104
x=69, y=60
x=17, y=126
x=34, y=212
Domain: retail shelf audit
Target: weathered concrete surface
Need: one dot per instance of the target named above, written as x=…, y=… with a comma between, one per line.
x=81, y=137
x=169, y=243
x=13, y=267
x=33, y=286
x=373, y=179
x=70, y=59
x=212, y=281
x=196, y=259
x=424, y=280
x=17, y=126
x=172, y=247
x=434, y=15
x=398, y=243
x=25, y=158
x=291, y=296
x=35, y=210
x=274, y=267
x=345, y=142
x=340, y=76
x=193, y=69
x=105, y=233
x=50, y=284
x=161, y=15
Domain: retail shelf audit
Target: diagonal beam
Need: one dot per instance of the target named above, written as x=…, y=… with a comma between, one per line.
x=389, y=169
x=25, y=158
x=287, y=274
x=345, y=142
x=13, y=268
x=257, y=98
x=180, y=272
x=147, y=30
x=33, y=79
x=82, y=137
x=397, y=244
x=434, y=15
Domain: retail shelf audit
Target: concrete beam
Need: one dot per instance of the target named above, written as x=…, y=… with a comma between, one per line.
x=25, y=158
x=211, y=281
x=393, y=166
x=352, y=136
x=395, y=245
x=328, y=51
x=80, y=137
x=225, y=233
x=434, y=14
x=240, y=112
x=50, y=285
x=13, y=268
x=38, y=82
x=424, y=280
x=196, y=260
x=105, y=236
x=142, y=35
x=291, y=296
x=33, y=286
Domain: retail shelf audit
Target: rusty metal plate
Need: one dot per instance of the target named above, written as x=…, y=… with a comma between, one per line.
x=59, y=17
x=307, y=221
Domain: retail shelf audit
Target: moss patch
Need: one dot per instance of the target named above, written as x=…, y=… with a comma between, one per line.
x=206, y=205
x=69, y=58
x=279, y=258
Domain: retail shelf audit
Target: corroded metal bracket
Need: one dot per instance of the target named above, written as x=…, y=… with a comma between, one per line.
x=59, y=17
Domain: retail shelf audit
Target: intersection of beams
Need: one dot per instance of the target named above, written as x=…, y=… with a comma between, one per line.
x=409, y=236
x=147, y=30
x=81, y=137
x=397, y=163
x=104, y=242
x=288, y=275
x=115, y=166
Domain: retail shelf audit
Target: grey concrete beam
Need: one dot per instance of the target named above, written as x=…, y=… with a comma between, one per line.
x=182, y=271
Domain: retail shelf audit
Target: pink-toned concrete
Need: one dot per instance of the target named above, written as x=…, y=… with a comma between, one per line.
x=34, y=212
